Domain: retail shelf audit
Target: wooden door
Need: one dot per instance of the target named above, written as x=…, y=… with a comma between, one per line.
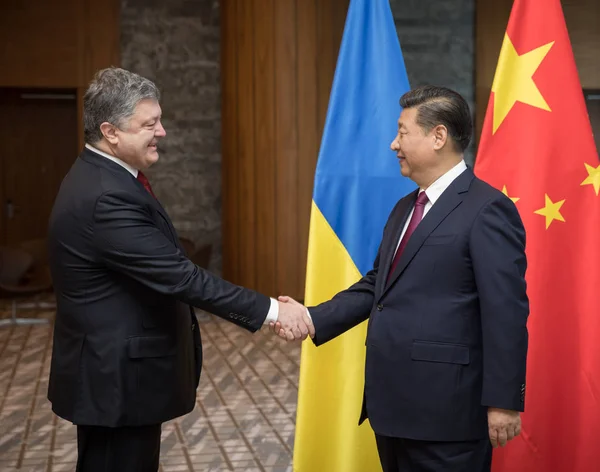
x=38, y=144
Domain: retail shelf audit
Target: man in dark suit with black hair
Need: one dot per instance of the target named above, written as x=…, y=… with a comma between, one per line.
x=446, y=303
x=127, y=354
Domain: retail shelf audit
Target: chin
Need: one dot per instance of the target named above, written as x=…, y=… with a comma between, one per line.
x=151, y=159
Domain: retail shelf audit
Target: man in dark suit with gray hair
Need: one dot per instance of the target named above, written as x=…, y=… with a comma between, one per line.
x=127, y=354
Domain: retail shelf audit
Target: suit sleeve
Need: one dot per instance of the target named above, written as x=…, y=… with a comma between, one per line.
x=499, y=264
x=129, y=242
x=350, y=307
x=346, y=309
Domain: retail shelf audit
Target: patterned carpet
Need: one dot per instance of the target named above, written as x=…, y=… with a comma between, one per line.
x=243, y=421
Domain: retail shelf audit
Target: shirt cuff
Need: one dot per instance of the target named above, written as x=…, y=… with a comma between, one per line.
x=308, y=313
x=273, y=313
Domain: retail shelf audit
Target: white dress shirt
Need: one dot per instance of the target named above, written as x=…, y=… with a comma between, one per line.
x=273, y=313
x=131, y=170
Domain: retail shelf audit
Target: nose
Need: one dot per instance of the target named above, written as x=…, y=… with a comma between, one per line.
x=394, y=144
x=160, y=131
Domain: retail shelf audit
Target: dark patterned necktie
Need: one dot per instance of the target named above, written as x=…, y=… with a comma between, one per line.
x=416, y=218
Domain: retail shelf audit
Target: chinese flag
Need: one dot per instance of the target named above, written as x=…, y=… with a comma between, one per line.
x=537, y=147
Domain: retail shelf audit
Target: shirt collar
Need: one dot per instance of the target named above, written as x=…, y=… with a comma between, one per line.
x=131, y=170
x=435, y=190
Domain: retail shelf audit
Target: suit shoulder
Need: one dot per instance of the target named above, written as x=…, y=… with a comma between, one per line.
x=405, y=200
x=81, y=184
x=105, y=181
x=489, y=201
x=487, y=193
x=86, y=183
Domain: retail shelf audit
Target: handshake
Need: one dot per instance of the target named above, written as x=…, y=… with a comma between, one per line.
x=294, y=322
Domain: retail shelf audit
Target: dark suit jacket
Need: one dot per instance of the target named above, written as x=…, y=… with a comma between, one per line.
x=126, y=343
x=447, y=337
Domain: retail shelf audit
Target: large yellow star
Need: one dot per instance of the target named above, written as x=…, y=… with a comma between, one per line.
x=505, y=192
x=551, y=211
x=593, y=178
x=513, y=81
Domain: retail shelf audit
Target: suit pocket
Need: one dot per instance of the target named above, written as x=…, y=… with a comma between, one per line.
x=142, y=347
x=439, y=239
x=430, y=351
x=155, y=375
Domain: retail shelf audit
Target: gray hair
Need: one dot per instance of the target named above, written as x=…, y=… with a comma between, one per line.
x=112, y=97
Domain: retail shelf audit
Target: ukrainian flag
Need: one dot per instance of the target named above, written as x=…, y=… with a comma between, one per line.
x=357, y=183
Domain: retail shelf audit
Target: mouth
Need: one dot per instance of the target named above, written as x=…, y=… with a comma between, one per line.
x=153, y=147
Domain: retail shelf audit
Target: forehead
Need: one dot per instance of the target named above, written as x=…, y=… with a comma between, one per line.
x=146, y=109
x=407, y=117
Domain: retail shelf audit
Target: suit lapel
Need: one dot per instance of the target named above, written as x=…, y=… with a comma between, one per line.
x=162, y=212
x=396, y=231
x=128, y=179
x=448, y=201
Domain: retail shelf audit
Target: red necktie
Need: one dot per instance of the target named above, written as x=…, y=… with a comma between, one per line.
x=416, y=218
x=145, y=182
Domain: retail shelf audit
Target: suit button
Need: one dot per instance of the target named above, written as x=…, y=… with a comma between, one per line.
x=193, y=326
x=379, y=307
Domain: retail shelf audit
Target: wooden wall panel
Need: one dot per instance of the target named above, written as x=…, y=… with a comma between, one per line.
x=231, y=224
x=340, y=9
x=277, y=67
x=246, y=164
x=491, y=20
x=265, y=146
x=327, y=56
x=101, y=37
x=286, y=149
x=56, y=43
x=48, y=46
x=38, y=43
x=311, y=65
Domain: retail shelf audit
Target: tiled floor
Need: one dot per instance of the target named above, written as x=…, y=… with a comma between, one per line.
x=244, y=419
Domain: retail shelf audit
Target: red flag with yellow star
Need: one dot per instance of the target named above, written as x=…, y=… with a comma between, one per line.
x=537, y=146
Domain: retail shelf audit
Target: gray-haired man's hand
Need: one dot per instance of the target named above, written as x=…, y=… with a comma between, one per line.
x=293, y=322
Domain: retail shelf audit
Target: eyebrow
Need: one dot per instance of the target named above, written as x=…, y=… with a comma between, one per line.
x=152, y=118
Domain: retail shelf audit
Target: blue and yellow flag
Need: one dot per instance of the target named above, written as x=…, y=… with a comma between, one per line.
x=357, y=183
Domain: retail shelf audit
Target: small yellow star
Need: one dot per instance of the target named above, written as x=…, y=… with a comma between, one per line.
x=593, y=178
x=505, y=192
x=551, y=211
x=513, y=81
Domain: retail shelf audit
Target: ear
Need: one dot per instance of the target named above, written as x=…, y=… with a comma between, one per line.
x=440, y=136
x=109, y=132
